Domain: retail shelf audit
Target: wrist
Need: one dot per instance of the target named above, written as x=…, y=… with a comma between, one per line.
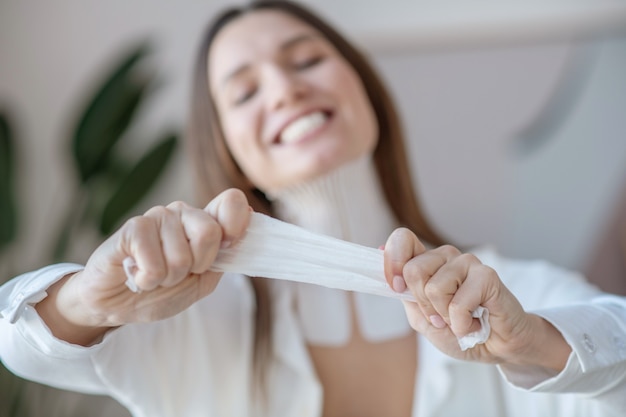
x=61, y=311
x=546, y=346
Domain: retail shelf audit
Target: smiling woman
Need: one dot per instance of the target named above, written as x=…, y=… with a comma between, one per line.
x=286, y=96
x=289, y=119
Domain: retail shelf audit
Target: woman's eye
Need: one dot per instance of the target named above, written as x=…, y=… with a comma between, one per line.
x=244, y=96
x=308, y=63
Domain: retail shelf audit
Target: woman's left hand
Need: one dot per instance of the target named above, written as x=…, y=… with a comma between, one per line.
x=448, y=286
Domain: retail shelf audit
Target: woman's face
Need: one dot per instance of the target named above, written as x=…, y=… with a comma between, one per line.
x=290, y=106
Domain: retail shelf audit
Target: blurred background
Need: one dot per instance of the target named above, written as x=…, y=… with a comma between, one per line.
x=516, y=115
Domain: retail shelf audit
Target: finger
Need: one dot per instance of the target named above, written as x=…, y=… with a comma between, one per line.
x=140, y=239
x=419, y=272
x=477, y=290
x=172, y=300
x=232, y=212
x=445, y=282
x=204, y=236
x=401, y=246
x=442, y=338
x=174, y=243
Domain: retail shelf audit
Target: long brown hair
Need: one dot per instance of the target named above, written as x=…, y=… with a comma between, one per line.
x=216, y=170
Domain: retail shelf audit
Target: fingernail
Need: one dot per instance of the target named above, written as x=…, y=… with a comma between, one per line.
x=398, y=284
x=437, y=321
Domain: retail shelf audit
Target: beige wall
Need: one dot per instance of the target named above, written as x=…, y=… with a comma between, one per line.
x=466, y=99
x=471, y=85
x=521, y=146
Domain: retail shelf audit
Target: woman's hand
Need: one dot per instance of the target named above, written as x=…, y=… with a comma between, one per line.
x=448, y=286
x=173, y=247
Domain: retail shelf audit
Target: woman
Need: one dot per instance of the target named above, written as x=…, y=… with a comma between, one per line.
x=288, y=114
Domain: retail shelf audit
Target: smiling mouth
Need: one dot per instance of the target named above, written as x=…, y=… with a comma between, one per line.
x=302, y=126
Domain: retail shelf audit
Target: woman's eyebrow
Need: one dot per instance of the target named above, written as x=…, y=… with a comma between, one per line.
x=239, y=70
x=305, y=37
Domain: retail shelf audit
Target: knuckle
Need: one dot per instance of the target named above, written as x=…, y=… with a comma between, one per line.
x=177, y=205
x=151, y=277
x=455, y=307
x=157, y=211
x=181, y=262
x=432, y=290
x=449, y=250
x=414, y=272
x=487, y=272
x=210, y=233
x=468, y=258
x=138, y=223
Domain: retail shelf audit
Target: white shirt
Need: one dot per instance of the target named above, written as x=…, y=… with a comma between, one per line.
x=198, y=363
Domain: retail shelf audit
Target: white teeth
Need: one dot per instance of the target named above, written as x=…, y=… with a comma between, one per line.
x=301, y=126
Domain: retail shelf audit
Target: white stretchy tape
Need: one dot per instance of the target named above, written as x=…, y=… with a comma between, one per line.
x=275, y=249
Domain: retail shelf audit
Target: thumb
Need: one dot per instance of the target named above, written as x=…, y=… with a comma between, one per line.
x=231, y=211
x=401, y=246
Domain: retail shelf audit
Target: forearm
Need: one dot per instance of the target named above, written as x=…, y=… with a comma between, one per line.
x=56, y=315
x=596, y=333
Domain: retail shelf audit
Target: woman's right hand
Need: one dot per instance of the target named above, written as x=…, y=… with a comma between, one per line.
x=173, y=247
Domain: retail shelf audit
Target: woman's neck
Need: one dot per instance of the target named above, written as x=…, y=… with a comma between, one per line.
x=347, y=203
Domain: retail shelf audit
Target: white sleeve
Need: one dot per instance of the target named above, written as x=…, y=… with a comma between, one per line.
x=596, y=332
x=28, y=348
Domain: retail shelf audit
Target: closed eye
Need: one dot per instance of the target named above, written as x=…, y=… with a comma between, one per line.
x=245, y=96
x=308, y=63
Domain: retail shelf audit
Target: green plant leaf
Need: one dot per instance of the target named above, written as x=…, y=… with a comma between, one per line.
x=109, y=113
x=137, y=184
x=8, y=210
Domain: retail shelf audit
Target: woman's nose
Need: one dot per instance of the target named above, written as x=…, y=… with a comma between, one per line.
x=284, y=87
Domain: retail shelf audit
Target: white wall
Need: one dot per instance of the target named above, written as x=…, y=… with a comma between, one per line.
x=466, y=111
x=465, y=97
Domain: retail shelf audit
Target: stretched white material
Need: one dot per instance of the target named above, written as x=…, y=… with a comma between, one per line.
x=275, y=249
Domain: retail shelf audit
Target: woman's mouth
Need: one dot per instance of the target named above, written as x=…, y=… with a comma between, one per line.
x=302, y=126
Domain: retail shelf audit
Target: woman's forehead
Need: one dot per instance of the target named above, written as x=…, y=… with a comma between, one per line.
x=255, y=35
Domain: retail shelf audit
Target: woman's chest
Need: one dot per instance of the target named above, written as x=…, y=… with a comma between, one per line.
x=367, y=379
